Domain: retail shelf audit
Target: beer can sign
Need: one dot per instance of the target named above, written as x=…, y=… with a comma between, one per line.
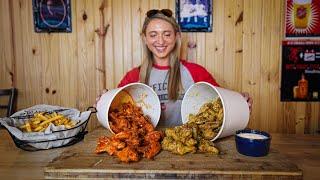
x=302, y=19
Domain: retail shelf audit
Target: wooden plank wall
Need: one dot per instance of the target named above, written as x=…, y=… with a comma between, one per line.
x=242, y=52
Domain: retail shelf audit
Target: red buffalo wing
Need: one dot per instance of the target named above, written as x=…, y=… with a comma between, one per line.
x=135, y=136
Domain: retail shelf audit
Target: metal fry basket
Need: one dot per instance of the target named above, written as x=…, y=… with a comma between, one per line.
x=55, y=138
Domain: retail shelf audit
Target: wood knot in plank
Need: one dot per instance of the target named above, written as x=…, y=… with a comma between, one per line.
x=102, y=6
x=47, y=90
x=84, y=16
x=240, y=18
x=101, y=70
x=239, y=51
x=54, y=91
x=102, y=31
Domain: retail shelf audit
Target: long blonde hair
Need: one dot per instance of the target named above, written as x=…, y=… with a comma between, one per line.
x=174, y=81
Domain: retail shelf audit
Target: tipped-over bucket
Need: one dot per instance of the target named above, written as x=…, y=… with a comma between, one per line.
x=235, y=108
x=142, y=95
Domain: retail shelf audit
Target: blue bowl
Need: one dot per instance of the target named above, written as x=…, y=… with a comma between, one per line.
x=251, y=146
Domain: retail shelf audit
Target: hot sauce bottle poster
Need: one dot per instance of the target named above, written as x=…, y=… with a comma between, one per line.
x=302, y=18
x=300, y=80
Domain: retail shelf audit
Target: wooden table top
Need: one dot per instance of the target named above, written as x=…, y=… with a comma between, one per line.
x=289, y=154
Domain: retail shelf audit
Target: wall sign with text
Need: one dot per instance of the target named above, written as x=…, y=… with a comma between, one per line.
x=300, y=79
x=302, y=19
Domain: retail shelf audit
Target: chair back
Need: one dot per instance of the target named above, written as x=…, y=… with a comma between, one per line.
x=10, y=106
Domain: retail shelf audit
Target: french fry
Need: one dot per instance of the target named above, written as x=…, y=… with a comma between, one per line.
x=23, y=126
x=35, y=121
x=28, y=127
x=68, y=126
x=42, y=117
x=50, y=120
x=40, y=121
x=38, y=128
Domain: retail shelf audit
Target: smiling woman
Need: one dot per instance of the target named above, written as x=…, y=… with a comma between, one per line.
x=160, y=38
x=162, y=69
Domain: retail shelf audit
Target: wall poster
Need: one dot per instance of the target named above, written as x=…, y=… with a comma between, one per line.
x=300, y=79
x=302, y=19
x=194, y=15
x=52, y=15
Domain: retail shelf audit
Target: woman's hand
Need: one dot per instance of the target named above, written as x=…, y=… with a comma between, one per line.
x=99, y=96
x=248, y=99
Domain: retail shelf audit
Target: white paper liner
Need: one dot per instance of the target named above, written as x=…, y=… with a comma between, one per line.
x=53, y=135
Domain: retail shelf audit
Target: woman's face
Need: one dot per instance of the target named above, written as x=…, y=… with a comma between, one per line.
x=160, y=38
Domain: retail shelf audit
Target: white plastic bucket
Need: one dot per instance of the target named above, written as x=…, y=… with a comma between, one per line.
x=235, y=108
x=142, y=95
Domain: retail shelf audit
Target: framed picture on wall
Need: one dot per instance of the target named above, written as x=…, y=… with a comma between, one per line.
x=302, y=19
x=52, y=15
x=194, y=15
x=300, y=76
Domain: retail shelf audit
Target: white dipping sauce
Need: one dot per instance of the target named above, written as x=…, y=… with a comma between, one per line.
x=252, y=136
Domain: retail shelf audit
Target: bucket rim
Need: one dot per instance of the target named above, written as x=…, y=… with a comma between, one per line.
x=123, y=88
x=222, y=101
